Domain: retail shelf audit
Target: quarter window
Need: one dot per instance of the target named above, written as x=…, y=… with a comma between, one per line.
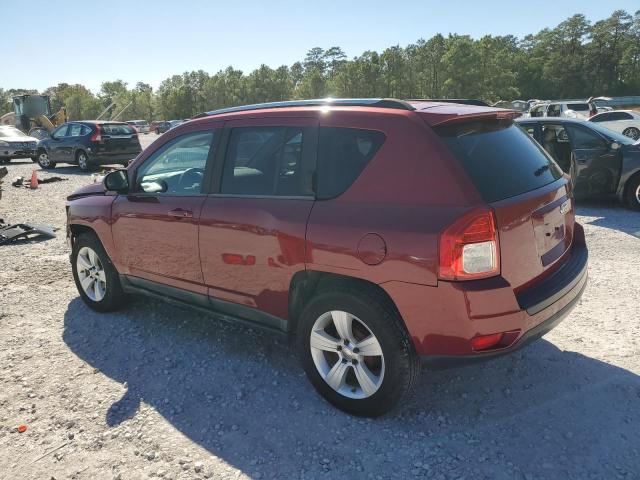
x=343, y=153
x=177, y=168
x=266, y=161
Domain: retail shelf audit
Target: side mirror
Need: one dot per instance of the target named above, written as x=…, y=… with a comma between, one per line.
x=615, y=145
x=116, y=181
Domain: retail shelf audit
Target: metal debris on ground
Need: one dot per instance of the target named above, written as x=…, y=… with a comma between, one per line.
x=19, y=231
x=21, y=182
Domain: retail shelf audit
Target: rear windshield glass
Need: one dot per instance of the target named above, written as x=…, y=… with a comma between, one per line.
x=500, y=158
x=116, y=129
x=578, y=107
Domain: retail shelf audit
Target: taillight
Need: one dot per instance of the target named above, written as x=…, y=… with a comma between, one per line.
x=469, y=248
x=97, y=135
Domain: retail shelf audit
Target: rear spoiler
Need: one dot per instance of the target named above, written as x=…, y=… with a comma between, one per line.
x=460, y=101
x=439, y=118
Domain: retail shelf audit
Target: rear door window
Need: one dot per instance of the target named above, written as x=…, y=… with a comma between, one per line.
x=75, y=130
x=266, y=161
x=499, y=157
x=343, y=153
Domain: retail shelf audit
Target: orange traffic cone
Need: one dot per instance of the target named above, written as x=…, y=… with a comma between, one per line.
x=33, y=184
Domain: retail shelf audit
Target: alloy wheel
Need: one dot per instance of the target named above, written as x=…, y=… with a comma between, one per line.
x=43, y=160
x=347, y=354
x=82, y=161
x=91, y=274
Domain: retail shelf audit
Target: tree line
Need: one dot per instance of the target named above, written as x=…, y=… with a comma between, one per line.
x=575, y=59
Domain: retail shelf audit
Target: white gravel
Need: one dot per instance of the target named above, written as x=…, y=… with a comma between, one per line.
x=159, y=391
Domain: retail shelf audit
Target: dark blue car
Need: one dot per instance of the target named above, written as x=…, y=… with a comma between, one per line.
x=601, y=162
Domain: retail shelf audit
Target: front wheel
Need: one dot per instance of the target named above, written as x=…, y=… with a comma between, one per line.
x=96, y=278
x=356, y=351
x=632, y=132
x=44, y=161
x=633, y=192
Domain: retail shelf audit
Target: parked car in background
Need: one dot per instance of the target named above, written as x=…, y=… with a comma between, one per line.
x=89, y=144
x=159, y=127
x=571, y=109
x=599, y=161
x=537, y=110
x=626, y=122
x=175, y=123
x=141, y=126
x=16, y=144
x=375, y=230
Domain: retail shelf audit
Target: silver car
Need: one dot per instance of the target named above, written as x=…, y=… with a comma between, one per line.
x=15, y=144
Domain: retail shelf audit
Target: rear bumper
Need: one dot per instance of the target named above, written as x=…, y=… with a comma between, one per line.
x=442, y=320
x=101, y=158
x=448, y=361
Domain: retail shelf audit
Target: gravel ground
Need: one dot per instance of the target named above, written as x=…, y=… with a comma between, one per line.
x=159, y=391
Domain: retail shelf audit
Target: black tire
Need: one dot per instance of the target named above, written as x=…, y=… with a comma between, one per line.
x=633, y=192
x=43, y=160
x=631, y=132
x=82, y=159
x=4, y=160
x=114, y=296
x=401, y=362
x=157, y=131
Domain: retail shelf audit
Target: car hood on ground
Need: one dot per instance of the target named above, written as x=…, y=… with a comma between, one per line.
x=87, y=190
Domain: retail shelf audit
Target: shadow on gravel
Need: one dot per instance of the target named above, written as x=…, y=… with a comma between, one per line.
x=611, y=214
x=239, y=393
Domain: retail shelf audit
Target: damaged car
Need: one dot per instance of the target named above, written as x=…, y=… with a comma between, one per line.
x=16, y=144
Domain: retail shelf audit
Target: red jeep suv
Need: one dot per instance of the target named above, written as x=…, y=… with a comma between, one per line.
x=377, y=231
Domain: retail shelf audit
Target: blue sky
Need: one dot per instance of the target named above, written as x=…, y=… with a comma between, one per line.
x=89, y=42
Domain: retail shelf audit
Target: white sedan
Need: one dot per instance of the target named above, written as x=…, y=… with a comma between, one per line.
x=626, y=122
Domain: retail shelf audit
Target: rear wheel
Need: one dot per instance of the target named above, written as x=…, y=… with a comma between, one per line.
x=83, y=161
x=157, y=131
x=356, y=351
x=95, y=276
x=632, y=132
x=633, y=192
x=44, y=161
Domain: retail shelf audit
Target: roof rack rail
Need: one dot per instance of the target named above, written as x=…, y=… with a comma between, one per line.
x=320, y=102
x=461, y=101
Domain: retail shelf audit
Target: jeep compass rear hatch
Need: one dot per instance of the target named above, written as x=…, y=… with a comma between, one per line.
x=523, y=186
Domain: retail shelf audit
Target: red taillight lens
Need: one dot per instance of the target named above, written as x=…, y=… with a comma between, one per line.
x=469, y=247
x=97, y=135
x=484, y=342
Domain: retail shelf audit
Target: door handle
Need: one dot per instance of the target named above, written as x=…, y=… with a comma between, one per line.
x=180, y=213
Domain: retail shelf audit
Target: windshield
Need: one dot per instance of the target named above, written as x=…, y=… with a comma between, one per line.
x=11, y=132
x=611, y=135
